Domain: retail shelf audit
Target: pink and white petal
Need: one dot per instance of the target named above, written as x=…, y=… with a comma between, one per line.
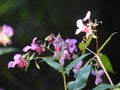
x=87, y=35
x=11, y=64
x=79, y=23
x=87, y=16
x=77, y=31
x=8, y=30
x=25, y=49
x=17, y=56
x=34, y=39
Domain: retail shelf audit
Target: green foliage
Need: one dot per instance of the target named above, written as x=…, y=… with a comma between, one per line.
x=51, y=62
x=82, y=46
x=106, y=62
x=38, y=67
x=73, y=63
x=81, y=78
x=117, y=87
x=104, y=44
x=6, y=50
x=103, y=86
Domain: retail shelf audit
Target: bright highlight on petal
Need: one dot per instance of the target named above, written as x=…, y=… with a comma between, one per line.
x=87, y=17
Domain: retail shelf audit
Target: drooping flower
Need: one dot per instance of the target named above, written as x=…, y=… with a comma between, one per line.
x=65, y=55
x=77, y=67
x=34, y=46
x=71, y=45
x=98, y=76
x=58, y=44
x=17, y=61
x=84, y=27
x=5, y=33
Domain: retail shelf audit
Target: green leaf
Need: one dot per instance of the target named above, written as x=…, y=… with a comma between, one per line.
x=117, y=87
x=103, y=86
x=106, y=62
x=104, y=44
x=82, y=46
x=74, y=62
x=81, y=78
x=38, y=67
x=7, y=50
x=52, y=63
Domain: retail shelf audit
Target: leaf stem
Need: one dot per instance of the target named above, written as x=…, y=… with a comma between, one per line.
x=106, y=73
x=64, y=79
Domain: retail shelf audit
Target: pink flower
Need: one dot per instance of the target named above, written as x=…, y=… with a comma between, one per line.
x=65, y=55
x=5, y=33
x=58, y=44
x=82, y=27
x=8, y=30
x=17, y=61
x=77, y=67
x=34, y=46
x=98, y=76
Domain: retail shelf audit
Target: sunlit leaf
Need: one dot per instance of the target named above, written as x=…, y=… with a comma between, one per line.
x=7, y=50
x=103, y=86
x=104, y=44
x=74, y=62
x=81, y=78
x=106, y=62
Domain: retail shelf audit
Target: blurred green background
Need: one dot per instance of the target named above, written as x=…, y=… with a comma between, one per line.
x=31, y=18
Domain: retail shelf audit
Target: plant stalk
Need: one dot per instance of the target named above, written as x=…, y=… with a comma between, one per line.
x=64, y=80
x=106, y=73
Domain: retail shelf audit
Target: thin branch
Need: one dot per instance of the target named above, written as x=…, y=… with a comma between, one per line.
x=106, y=73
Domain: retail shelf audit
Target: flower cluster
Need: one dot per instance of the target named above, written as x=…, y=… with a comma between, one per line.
x=64, y=50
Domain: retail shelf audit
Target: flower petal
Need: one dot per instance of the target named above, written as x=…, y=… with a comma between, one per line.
x=8, y=30
x=79, y=23
x=11, y=64
x=25, y=49
x=17, y=56
x=87, y=16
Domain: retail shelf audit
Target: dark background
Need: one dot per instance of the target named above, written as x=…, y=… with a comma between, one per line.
x=31, y=18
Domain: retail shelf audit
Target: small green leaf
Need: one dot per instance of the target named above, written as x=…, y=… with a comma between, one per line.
x=106, y=62
x=81, y=78
x=7, y=50
x=38, y=67
x=52, y=63
x=104, y=44
x=82, y=46
x=103, y=86
x=74, y=62
x=32, y=56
